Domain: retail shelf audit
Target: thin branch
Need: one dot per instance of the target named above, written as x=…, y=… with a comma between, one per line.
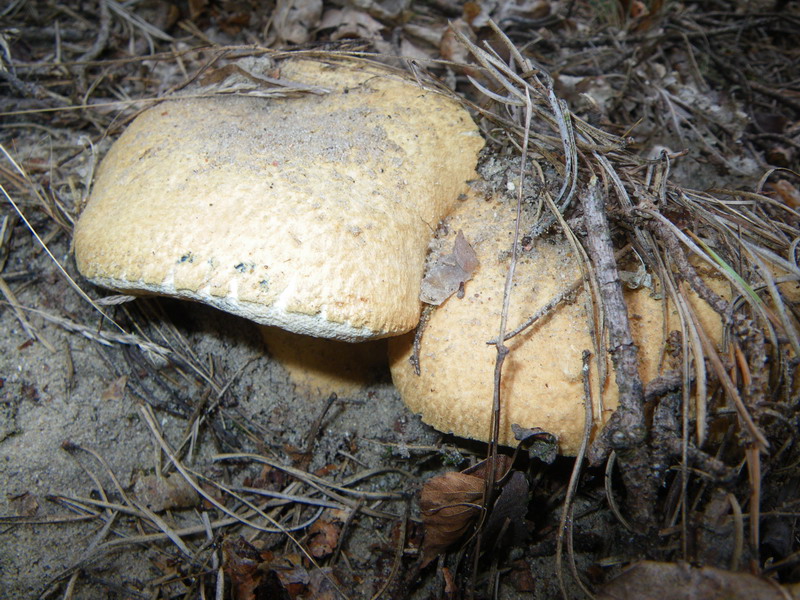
x=626, y=431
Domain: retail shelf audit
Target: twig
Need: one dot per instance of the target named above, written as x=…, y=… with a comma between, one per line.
x=552, y=304
x=738, y=534
x=608, y=484
x=398, y=557
x=626, y=431
x=20, y=314
x=100, y=43
x=105, y=338
x=318, y=482
x=502, y=349
x=149, y=418
x=564, y=526
x=316, y=426
x=424, y=319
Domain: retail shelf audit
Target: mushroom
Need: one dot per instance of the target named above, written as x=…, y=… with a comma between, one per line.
x=542, y=383
x=320, y=367
x=311, y=213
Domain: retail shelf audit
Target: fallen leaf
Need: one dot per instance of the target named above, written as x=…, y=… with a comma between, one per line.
x=321, y=585
x=526, y=9
x=168, y=565
x=638, y=9
x=477, y=14
x=159, y=493
x=252, y=78
x=507, y=517
x=232, y=23
x=240, y=563
x=649, y=580
x=451, y=48
x=24, y=504
x=780, y=156
x=197, y=8
x=450, y=586
x=323, y=538
x=464, y=255
x=448, y=273
x=216, y=494
x=250, y=573
x=787, y=192
x=521, y=578
x=295, y=18
x=293, y=575
x=451, y=503
x=540, y=443
x=116, y=390
x=410, y=50
x=349, y=23
x=268, y=478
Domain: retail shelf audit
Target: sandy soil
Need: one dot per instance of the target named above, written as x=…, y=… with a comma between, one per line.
x=74, y=394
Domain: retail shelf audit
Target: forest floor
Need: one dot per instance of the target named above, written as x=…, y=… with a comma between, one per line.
x=94, y=420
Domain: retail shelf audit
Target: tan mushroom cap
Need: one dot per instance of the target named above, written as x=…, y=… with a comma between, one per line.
x=542, y=381
x=312, y=213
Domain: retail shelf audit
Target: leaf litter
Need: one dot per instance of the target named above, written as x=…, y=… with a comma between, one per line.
x=448, y=274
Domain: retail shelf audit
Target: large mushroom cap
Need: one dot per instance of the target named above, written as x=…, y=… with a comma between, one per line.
x=542, y=382
x=312, y=213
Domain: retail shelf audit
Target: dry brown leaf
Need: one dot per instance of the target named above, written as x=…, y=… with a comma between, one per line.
x=252, y=574
x=295, y=18
x=450, y=586
x=293, y=575
x=448, y=273
x=477, y=14
x=464, y=255
x=638, y=9
x=159, y=493
x=323, y=538
x=680, y=581
x=240, y=562
x=24, y=504
x=410, y=50
x=526, y=9
x=116, y=390
x=451, y=503
x=321, y=585
x=787, y=193
x=521, y=578
x=509, y=510
x=291, y=570
x=268, y=478
x=451, y=48
x=349, y=23
x=197, y=8
x=780, y=156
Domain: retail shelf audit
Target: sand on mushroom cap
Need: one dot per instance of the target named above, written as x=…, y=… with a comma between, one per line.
x=312, y=213
x=542, y=378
